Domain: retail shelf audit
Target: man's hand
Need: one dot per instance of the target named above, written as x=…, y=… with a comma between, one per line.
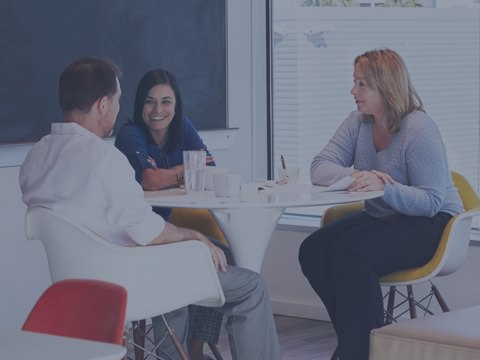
x=218, y=256
x=172, y=234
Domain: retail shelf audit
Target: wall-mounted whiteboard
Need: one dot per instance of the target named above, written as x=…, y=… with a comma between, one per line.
x=39, y=38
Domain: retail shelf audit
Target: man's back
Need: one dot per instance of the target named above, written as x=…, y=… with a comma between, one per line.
x=76, y=172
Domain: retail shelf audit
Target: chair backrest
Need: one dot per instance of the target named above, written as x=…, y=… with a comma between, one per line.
x=469, y=197
x=337, y=212
x=79, y=308
x=458, y=229
x=197, y=219
x=158, y=279
x=453, y=246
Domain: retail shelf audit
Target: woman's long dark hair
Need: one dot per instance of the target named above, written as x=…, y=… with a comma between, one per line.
x=148, y=81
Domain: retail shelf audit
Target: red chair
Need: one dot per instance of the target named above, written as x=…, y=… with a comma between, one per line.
x=78, y=308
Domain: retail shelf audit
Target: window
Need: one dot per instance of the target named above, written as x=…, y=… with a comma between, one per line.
x=313, y=48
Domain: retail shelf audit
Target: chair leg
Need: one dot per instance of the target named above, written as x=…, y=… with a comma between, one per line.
x=125, y=341
x=215, y=351
x=139, y=338
x=390, y=304
x=411, y=302
x=175, y=341
x=441, y=301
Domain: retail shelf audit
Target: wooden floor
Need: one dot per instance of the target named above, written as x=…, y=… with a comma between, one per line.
x=300, y=339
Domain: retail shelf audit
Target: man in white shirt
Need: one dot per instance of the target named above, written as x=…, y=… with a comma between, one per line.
x=74, y=171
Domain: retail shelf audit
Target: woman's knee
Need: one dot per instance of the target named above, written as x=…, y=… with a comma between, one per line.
x=311, y=254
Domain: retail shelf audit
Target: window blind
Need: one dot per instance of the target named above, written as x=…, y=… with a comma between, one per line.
x=313, y=53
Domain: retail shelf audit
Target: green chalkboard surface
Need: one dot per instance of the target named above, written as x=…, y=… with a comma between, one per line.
x=38, y=38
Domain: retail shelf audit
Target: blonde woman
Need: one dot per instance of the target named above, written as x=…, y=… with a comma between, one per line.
x=389, y=143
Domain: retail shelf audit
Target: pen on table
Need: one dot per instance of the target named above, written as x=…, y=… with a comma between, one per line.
x=150, y=160
x=262, y=187
x=282, y=159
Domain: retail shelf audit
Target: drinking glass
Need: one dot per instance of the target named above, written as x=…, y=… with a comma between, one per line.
x=194, y=163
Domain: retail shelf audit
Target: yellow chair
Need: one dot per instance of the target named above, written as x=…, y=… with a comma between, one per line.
x=449, y=256
x=202, y=221
x=198, y=219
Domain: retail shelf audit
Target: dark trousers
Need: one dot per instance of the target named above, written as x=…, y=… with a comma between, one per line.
x=344, y=261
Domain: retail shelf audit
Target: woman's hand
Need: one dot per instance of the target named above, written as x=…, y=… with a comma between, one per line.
x=369, y=180
x=386, y=179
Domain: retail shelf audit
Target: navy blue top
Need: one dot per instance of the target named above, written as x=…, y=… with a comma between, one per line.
x=133, y=142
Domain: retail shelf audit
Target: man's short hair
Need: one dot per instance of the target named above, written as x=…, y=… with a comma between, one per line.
x=85, y=81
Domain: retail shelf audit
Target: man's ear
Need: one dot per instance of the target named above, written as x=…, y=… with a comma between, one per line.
x=102, y=105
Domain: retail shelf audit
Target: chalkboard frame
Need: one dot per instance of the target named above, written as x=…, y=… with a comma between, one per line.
x=29, y=69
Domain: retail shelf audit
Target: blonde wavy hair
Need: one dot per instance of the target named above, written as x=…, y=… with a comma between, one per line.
x=385, y=71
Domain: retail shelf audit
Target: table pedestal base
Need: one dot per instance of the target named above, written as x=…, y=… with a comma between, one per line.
x=248, y=232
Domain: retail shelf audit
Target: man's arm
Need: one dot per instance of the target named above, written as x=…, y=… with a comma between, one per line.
x=172, y=234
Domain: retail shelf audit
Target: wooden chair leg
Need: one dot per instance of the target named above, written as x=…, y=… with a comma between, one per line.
x=139, y=338
x=389, y=318
x=125, y=342
x=215, y=351
x=175, y=341
x=411, y=302
x=441, y=301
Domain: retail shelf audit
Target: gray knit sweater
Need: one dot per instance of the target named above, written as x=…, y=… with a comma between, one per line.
x=416, y=159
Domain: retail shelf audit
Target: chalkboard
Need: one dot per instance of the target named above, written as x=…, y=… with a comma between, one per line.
x=39, y=38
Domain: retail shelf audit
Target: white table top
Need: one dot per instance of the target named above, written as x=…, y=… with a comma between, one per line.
x=278, y=196
x=25, y=345
x=249, y=221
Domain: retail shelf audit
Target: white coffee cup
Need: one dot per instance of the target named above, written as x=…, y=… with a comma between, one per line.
x=289, y=175
x=226, y=184
x=194, y=163
x=209, y=171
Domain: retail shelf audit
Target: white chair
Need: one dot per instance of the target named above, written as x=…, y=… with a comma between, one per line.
x=158, y=279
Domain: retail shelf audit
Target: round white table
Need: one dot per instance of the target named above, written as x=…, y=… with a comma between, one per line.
x=25, y=345
x=249, y=221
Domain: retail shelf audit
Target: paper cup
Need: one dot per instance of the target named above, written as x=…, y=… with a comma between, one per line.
x=289, y=176
x=209, y=171
x=226, y=184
